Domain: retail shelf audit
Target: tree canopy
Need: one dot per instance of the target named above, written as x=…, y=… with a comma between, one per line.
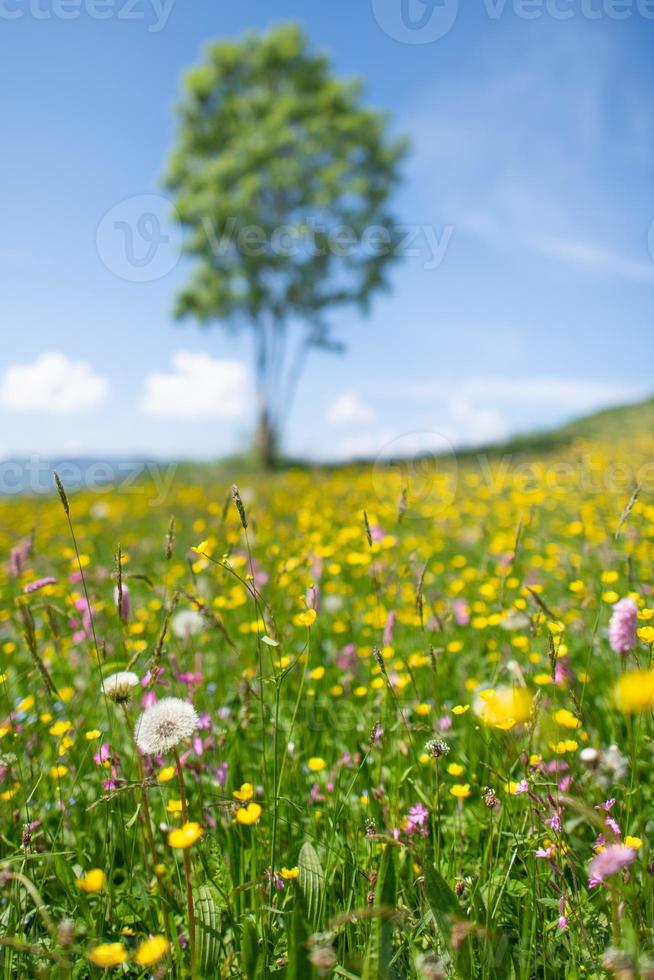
x=281, y=179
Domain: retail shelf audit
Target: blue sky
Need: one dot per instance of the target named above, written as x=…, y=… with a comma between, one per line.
x=533, y=153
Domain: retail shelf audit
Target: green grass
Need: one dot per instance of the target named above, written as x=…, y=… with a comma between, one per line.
x=403, y=859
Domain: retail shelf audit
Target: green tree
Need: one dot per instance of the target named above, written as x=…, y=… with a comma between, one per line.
x=281, y=180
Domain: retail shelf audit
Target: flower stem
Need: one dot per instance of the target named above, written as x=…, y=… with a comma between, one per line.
x=149, y=833
x=187, y=866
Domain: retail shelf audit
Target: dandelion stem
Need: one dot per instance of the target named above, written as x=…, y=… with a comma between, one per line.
x=149, y=833
x=187, y=865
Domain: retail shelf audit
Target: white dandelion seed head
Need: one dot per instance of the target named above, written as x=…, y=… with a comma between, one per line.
x=118, y=687
x=164, y=725
x=186, y=623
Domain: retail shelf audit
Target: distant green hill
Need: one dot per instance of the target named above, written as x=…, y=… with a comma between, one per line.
x=609, y=425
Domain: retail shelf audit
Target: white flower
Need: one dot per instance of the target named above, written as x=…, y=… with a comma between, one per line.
x=118, y=687
x=187, y=622
x=164, y=725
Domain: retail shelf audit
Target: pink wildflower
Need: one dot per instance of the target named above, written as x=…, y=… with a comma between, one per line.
x=122, y=602
x=623, y=625
x=416, y=820
x=40, y=583
x=461, y=611
x=19, y=555
x=609, y=861
x=388, y=628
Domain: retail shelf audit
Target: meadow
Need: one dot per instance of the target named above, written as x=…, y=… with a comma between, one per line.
x=420, y=741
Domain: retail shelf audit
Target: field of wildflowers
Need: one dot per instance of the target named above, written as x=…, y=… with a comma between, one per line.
x=364, y=722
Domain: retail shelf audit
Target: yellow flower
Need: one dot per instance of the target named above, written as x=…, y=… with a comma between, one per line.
x=460, y=709
x=505, y=707
x=151, y=950
x=461, y=791
x=92, y=734
x=174, y=806
x=107, y=955
x=249, y=814
x=563, y=746
x=93, y=881
x=60, y=728
x=186, y=835
x=306, y=618
x=566, y=719
x=316, y=764
x=165, y=774
x=635, y=690
x=634, y=842
x=58, y=771
x=289, y=873
x=203, y=548
x=455, y=769
x=422, y=709
x=646, y=634
x=317, y=673
x=245, y=793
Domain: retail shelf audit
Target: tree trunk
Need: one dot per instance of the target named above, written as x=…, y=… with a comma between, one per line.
x=266, y=441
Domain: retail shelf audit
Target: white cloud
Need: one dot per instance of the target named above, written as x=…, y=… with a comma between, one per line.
x=596, y=257
x=366, y=445
x=566, y=394
x=349, y=409
x=52, y=384
x=389, y=443
x=475, y=425
x=569, y=394
x=199, y=386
